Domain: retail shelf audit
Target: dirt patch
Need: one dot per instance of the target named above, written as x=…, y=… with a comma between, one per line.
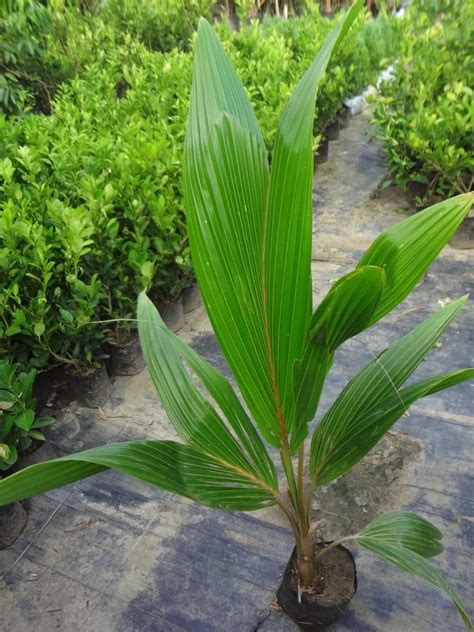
x=390, y=195
x=371, y=487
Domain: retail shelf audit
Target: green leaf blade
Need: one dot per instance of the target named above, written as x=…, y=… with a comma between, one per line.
x=24, y=420
x=310, y=375
x=43, y=477
x=288, y=224
x=168, y=465
x=405, y=529
x=348, y=307
x=344, y=312
x=253, y=273
x=226, y=179
x=232, y=438
x=417, y=565
x=407, y=249
x=372, y=401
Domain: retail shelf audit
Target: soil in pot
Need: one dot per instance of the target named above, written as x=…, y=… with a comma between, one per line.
x=58, y=387
x=334, y=588
x=13, y=519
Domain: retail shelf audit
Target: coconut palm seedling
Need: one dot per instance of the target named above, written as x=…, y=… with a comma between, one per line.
x=250, y=229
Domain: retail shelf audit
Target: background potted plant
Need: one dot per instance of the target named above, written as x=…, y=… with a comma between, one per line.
x=250, y=231
x=20, y=432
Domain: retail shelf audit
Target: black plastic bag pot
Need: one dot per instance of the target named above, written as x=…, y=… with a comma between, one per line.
x=335, y=585
x=13, y=519
x=332, y=131
x=322, y=154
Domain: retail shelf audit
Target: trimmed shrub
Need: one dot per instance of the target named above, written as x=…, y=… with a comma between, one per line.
x=91, y=196
x=92, y=207
x=19, y=425
x=424, y=116
x=26, y=74
x=160, y=25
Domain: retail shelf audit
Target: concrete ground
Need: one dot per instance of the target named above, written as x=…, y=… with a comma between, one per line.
x=111, y=554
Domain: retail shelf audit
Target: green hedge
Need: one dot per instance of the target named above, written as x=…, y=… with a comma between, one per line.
x=92, y=206
x=26, y=72
x=91, y=196
x=19, y=425
x=271, y=57
x=425, y=116
x=45, y=43
x=160, y=25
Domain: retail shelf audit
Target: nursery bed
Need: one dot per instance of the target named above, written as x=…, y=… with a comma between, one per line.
x=112, y=554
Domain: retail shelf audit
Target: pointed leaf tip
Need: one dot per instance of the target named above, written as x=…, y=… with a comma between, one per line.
x=407, y=249
x=203, y=25
x=288, y=225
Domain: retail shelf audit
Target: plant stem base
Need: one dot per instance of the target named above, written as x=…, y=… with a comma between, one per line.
x=335, y=585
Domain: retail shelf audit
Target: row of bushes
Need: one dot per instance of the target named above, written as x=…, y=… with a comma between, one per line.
x=271, y=57
x=424, y=115
x=41, y=43
x=91, y=196
x=24, y=29
x=32, y=66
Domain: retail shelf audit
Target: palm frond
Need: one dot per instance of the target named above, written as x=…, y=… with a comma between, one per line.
x=405, y=540
x=250, y=234
x=226, y=178
x=230, y=438
x=404, y=529
x=372, y=401
x=288, y=223
x=344, y=312
x=407, y=249
x=169, y=465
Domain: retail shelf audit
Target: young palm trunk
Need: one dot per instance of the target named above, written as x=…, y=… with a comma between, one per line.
x=306, y=562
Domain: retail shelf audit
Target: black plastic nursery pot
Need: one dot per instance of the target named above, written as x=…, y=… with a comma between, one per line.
x=344, y=118
x=332, y=131
x=91, y=389
x=335, y=585
x=125, y=358
x=13, y=519
x=322, y=154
